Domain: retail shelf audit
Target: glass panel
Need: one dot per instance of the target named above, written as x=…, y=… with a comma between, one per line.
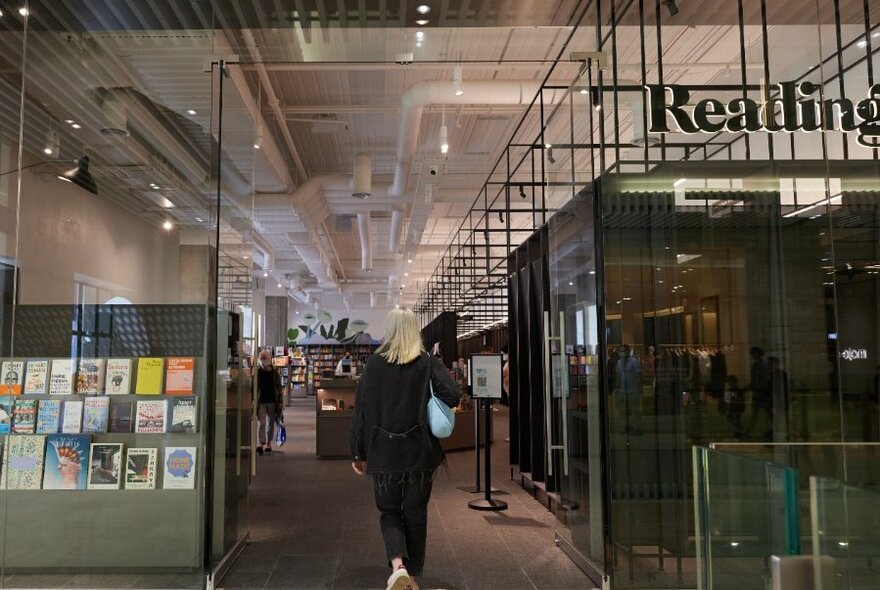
x=577, y=395
x=846, y=535
x=105, y=229
x=747, y=511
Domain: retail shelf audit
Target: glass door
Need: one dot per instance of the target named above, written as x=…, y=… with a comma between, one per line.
x=235, y=145
x=577, y=402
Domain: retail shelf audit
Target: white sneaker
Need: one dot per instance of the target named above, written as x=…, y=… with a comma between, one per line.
x=399, y=580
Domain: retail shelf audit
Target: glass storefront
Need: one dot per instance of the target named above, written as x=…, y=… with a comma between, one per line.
x=716, y=284
x=125, y=399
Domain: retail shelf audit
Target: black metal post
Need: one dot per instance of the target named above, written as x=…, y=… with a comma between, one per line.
x=488, y=503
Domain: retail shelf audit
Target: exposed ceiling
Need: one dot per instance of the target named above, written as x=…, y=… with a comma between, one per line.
x=315, y=84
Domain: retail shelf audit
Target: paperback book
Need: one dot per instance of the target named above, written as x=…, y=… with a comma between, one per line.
x=118, y=377
x=180, y=468
x=6, y=414
x=95, y=413
x=90, y=376
x=67, y=462
x=24, y=416
x=183, y=415
x=36, y=377
x=179, y=375
x=120, y=417
x=71, y=416
x=11, y=377
x=105, y=466
x=23, y=462
x=48, y=416
x=61, y=377
x=140, y=469
x=149, y=376
x=151, y=416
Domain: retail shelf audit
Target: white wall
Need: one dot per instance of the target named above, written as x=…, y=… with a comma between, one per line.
x=70, y=236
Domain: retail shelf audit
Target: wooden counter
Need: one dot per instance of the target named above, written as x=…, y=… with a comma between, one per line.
x=333, y=425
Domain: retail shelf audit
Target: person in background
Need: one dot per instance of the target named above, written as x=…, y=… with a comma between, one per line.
x=734, y=404
x=629, y=392
x=392, y=442
x=269, y=399
x=345, y=366
x=779, y=397
x=461, y=371
x=505, y=377
x=760, y=388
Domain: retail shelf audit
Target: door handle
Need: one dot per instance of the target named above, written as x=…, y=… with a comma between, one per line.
x=563, y=401
x=548, y=395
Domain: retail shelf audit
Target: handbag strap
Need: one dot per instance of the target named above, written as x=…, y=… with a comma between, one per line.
x=430, y=376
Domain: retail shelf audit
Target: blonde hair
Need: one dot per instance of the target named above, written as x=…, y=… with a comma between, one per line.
x=403, y=339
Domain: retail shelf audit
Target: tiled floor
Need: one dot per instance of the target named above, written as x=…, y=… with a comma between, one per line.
x=314, y=526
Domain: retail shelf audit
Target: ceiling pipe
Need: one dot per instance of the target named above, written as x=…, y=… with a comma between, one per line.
x=481, y=92
x=366, y=247
x=395, y=230
x=272, y=99
x=363, y=177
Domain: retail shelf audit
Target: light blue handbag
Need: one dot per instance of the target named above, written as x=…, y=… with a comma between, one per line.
x=441, y=418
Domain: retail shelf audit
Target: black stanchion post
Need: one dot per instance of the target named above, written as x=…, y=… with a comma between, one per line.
x=488, y=503
x=475, y=489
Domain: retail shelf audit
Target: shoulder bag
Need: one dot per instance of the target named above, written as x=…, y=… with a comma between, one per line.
x=441, y=418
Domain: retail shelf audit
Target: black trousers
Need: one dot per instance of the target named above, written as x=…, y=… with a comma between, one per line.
x=402, y=500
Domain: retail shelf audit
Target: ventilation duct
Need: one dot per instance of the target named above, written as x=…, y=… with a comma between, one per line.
x=362, y=176
x=114, y=115
x=366, y=249
x=635, y=101
x=396, y=227
x=372, y=299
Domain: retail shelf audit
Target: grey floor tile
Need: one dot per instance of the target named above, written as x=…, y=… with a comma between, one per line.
x=102, y=581
x=244, y=580
x=303, y=572
x=169, y=581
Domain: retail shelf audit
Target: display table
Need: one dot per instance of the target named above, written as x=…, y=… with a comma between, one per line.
x=335, y=408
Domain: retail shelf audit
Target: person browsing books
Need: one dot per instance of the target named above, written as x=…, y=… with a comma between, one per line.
x=268, y=401
x=392, y=443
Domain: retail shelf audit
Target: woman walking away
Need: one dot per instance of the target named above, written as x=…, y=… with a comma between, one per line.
x=392, y=443
x=269, y=401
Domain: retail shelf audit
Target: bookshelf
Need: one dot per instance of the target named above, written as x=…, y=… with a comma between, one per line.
x=321, y=357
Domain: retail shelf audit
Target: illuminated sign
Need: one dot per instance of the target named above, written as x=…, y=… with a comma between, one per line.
x=795, y=109
x=854, y=354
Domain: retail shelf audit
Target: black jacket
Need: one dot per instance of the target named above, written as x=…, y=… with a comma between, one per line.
x=390, y=429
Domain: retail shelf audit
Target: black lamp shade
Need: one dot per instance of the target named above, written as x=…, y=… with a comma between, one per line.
x=81, y=176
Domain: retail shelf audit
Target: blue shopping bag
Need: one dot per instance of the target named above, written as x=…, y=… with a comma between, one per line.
x=280, y=431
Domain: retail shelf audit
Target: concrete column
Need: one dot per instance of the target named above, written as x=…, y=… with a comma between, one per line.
x=197, y=274
x=276, y=321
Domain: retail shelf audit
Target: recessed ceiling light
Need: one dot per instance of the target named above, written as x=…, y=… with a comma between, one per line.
x=76, y=125
x=199, y=219
x=409, y=260
x=245, y=256
x=68, y=121
x=265, y=274
x=23, y=11
x=420, y=35
x=47, y=150
x=862, y=43
x=422, y=22
x=418, y=43
x=191, y=112
x=168, y=225
x=423, y=9
x=279, y=285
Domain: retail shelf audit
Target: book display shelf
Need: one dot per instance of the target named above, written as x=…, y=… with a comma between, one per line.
x=102, y=421
x=325, y=357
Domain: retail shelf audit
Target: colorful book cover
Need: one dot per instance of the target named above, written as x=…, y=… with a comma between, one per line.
x=36, y=377
x=95, y=413
x=71, y=416
x=179, y=375
x=120, y=417
x=183, y=415
x=149, y=376
x=118, y=377
x=150, y=416
x=105, y=466
x=49, y=416
x=23, y=462
x=6, y=405
x=11, y=377
x=24, y=416
x=180, y=468
x=90, y=376
x=67, y=461
x=61, y=377
x=140, y=469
